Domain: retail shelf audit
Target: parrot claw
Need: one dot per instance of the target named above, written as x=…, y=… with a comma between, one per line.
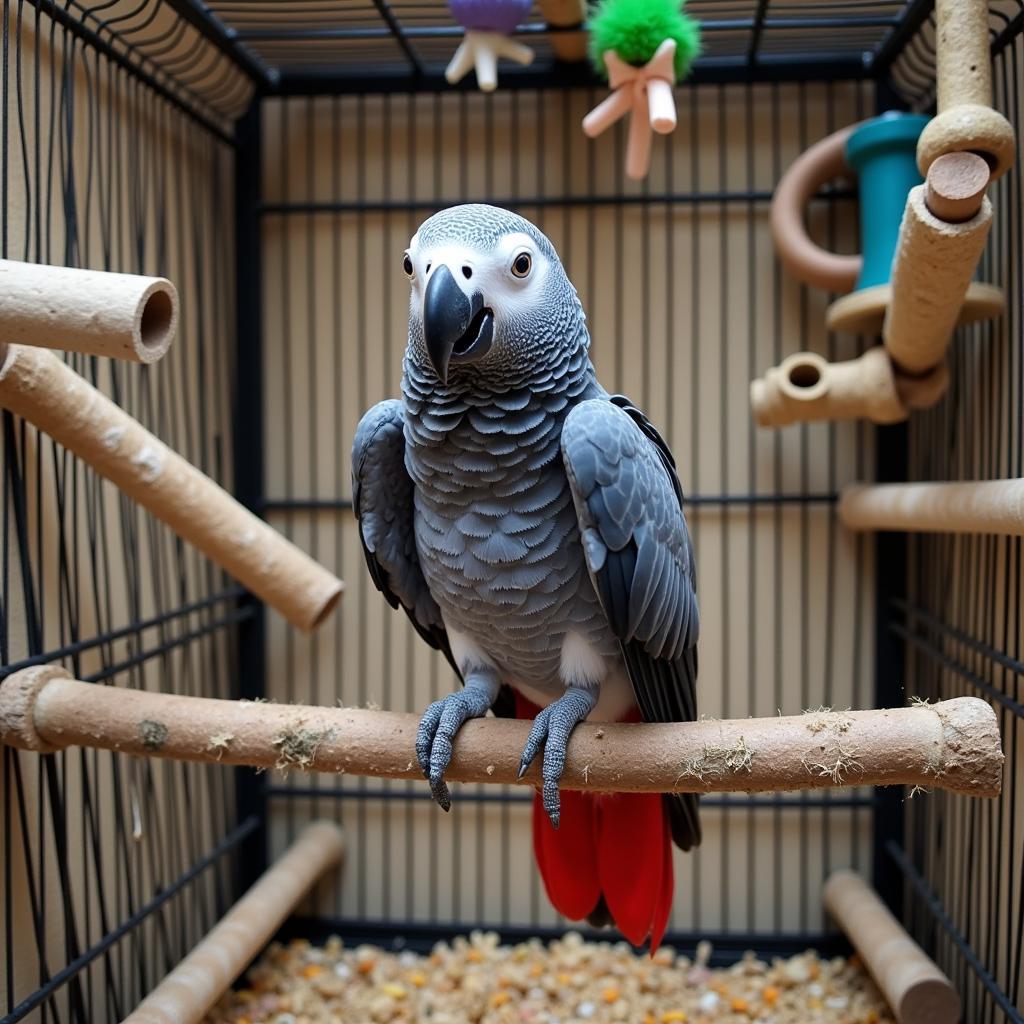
x=436, y=733
x=552, y=729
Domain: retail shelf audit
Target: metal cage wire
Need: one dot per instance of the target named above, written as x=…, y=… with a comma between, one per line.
x=120, y=149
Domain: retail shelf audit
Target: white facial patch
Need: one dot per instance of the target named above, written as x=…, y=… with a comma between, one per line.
x=581, y=664
x=489, y=272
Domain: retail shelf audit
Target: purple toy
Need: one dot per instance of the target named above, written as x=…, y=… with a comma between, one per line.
x=489, y=15
x=487, y=24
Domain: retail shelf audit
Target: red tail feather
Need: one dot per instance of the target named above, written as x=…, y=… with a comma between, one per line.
x=618, y=846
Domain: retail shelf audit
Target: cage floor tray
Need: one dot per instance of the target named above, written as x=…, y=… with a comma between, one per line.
x=569, y=981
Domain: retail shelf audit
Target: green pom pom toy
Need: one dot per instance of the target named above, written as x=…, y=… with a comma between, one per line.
x=634, y=29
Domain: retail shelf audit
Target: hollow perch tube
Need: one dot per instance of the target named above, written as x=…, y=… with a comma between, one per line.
x=36, y=385
x=647, y=93
x=123, y=316
x=977, y=506
x=806, y=388
x=195, y=985
x=953, y=745
x=913, y=985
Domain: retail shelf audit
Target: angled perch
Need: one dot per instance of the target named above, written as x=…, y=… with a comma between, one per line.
x=192, y=988
x=974, y=506
x=38, y=386
x=953, y=745
x=913, y=985
x=123, y=316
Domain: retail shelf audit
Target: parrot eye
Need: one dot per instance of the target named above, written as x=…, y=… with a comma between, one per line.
x=522, y=264
x=407, y=265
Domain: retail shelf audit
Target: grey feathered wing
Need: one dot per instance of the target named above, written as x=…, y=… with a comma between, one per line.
x=382, y=499
x=640, y=557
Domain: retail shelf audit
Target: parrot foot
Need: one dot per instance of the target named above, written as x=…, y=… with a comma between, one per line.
x=552, y=728
x=438, y=726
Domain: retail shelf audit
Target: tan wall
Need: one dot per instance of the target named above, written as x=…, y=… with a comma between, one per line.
x=113, y=179
x=686, y=304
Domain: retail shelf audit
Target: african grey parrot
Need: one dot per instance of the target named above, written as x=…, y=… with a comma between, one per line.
x=531, y=526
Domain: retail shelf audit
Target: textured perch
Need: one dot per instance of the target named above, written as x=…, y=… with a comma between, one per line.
x=953, y=745
x=805, y=388
x=123, y=316
x=38, y=386
x=915, y=988
x=966, y=122
x=192, y=988
x=931, y=273
x=977, y=506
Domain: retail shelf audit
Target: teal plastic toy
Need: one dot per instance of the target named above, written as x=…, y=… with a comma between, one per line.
x=883, y=152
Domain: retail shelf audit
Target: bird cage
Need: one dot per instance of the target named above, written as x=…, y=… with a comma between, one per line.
x=272, y=160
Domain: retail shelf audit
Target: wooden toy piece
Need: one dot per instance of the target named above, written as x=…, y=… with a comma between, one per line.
x=952, y=745
x=966, y=121
x=931, y=274
x=913, y=985
x=644, y=91
x=481, y=50
x=123, y=316
x=195, y=985
x=807, y=262
x=38, y=386
x=955, y=186
x=975, y=506
x=563, y=14
x=806, y=388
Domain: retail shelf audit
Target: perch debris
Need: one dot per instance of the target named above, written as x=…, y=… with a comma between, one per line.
x=188, y=992
x=568, y=981
x=36, y=385
x=123, y=316
x=954, y=745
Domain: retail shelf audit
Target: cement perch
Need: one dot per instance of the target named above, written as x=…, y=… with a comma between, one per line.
x=953, y=745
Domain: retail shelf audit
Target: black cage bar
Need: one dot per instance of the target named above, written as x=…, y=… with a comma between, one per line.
x=181, y=137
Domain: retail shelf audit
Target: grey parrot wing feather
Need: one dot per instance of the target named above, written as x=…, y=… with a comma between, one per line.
x=629, y=504
x=640, y=558
x=382, y=499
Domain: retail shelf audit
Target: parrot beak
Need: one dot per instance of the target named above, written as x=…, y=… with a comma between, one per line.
x=457, y=328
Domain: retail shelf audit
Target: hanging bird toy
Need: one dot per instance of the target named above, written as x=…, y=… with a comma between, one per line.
x=488, y=24
x=643, y=47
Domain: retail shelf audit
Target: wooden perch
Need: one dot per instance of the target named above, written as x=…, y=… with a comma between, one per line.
x=935, y=261
x=123, y=316
x=953, y=745
x=806, y=388
x=195, y=985
x=38, y=386
x=966, y=122
x=976, y=506
x=915, y=988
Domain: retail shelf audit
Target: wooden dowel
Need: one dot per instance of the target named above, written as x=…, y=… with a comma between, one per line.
x=195, y=985
x=953, y=745
x=123, y=316
x=38, y=386
x=976, y=506
x=931, y=272
x=955, y=187
x=966, y=122
x=913, y=985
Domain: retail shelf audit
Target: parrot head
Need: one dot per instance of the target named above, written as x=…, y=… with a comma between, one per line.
x=490, y=300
